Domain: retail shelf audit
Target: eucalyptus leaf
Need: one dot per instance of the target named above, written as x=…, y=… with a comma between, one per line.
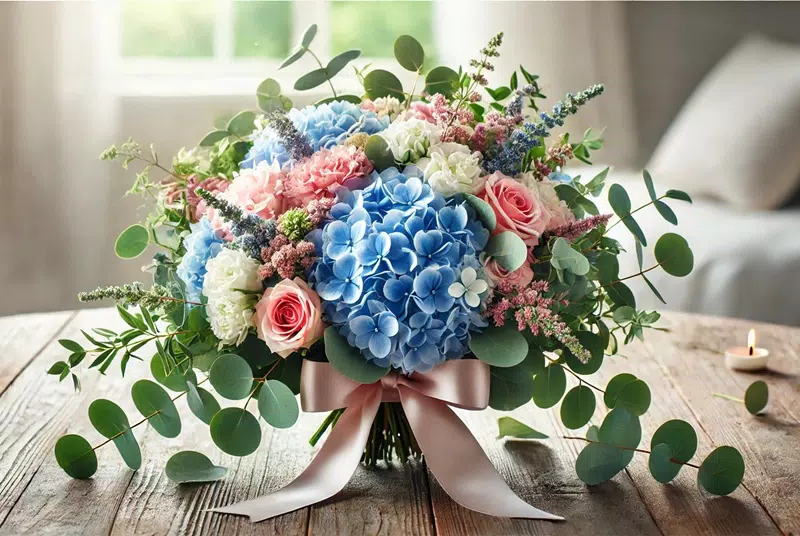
x=189, y=466
x=178, y=376
x=277, y=404
x=308, y=36
x=409, y=53
x=349, y=361
x=508, y=250
x=501, y=346
x=633, y=226
x=681, y=438
x=566, y=258
x=679, y=195
x=235, y=431
x=378, y=152
x=619, y=200
x=201, y=403
x=112, y=423
x=346, y=98
x=722, y=471
x=674, y=255
x=578, y=407
x=661, y=465
x=242, y=124
x=483, y=210
x=756, y=397
x=510, y=427
x=621, y=294
x=615, y=386
x=157, y=407
x=380, y=83
x=621, y=429
x=231, y=377
x=269, y=88
x=132, y=242
x=312, y=79
x=507, y=394
x=592, y=343
x=653, y=289
x=340, y=61
x=666, y=212
x=595, y=186
x=213, y=137
x=75, y=456
x=298, y=53
x=442, y=80
x=648, y=182
x=599, y=463
x=635, y=397
x=549, y=386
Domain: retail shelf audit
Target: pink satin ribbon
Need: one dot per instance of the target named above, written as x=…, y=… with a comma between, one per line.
x=451, y=451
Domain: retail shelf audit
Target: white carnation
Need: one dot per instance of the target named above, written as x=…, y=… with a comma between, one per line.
x=411, y=139
x=230, y=311
x=451, y=169
x=560, y=213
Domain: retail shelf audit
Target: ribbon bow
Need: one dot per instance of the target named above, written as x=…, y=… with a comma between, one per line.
x=452, y=453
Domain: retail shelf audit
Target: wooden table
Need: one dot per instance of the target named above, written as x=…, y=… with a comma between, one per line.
x=682, y=368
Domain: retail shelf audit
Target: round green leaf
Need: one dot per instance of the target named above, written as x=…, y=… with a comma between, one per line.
x=619, y=200
x=635, y=397
x=202, y=403
x=578, y=407
x=621, y=295
x=310, y=80
x=661, y=465
x=679, y=436
x=231, y=377
x=593, y=343
x=566, y=258
x=409, y=53
x=277, y=404
x=442, y=80
x=510, y=427
x=483, y=210
x=235, y=431
x=500, y=346
x=269, y=88
x=349, y=361
x=756, y=397
x=378, y=152
x=607, y=267
x=549, y=386
x=190, y=466
x=593, y=433
x=109, y=419
x=506, y=394
x=533, y=364
x=132, y=242
x=178, y=376
x=213, y=137
x=242, y=124
x=614, y=387
x=598, y=463
x=722, y=471
x=75, y=456
x=339, y=62
x=380, y=83
x=157, y=407
x=674, y=255
x=508, y=250
x=621, y=429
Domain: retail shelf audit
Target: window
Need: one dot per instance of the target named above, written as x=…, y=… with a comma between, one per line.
x=236, y=39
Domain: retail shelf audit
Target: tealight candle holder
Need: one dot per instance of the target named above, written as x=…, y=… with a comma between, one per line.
x=747, y=357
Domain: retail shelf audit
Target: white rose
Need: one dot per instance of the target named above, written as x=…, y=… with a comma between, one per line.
x=411, y=139
x=230, y=311
x=386, y=106
x=451, y=169
x=560, y=213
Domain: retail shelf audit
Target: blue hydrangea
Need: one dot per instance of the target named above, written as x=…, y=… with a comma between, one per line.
x=388, y=258
x=202, y=244
x=324, y=126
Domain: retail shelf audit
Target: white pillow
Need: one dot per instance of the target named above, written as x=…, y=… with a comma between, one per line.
x=737, y=138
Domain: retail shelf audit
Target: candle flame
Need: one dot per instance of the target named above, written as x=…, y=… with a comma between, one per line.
x=751, y=341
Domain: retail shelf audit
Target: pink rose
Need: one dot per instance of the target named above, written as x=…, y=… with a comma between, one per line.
x=319, y=175
x=289, y=317
x=257, y=191
x=521, y=277
x=517, y=208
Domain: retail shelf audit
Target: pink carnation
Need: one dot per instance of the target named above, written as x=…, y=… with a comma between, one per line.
x=420, y=110
x=517, y=208
x=319, y=175
x=258, y=191
x=289, y=317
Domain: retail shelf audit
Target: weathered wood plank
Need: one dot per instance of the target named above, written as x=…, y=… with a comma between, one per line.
x=543, y=474
x=692, y=356
x=35, y=494
x=680, y=507
x=22, y=337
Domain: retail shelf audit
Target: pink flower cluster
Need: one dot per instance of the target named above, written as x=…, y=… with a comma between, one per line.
x=575, y=229
x=285, y=258
x=493, y=130
x=195, y=205
x=319, y=175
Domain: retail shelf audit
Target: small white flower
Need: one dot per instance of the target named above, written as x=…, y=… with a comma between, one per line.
x=411, y=139
x=387, y=106
x=451, y=169
x=470, y=287
x=230, y=311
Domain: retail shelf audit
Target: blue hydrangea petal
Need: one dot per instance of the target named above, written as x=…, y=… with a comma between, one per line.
x=380, y=345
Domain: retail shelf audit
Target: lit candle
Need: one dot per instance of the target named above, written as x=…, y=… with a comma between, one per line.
x=747, y=357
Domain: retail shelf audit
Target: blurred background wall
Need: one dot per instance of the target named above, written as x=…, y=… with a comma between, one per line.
x=76, y=77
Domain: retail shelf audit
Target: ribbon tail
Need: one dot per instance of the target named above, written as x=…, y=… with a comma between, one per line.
x=329, y=471
x=458, y=461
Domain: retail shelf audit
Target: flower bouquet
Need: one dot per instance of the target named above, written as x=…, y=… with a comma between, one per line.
x=385, y=256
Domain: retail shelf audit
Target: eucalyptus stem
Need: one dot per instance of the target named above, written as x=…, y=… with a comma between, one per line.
x=728, y=397
x=634, y=212
x=579, y=378
x=632, y=449
x=637, y=274
x=330, y=82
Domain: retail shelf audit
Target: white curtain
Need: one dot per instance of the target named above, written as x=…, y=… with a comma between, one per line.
x=57, y=113
x=571, y=45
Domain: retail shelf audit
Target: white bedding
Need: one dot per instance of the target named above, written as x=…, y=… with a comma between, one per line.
x=747, y=264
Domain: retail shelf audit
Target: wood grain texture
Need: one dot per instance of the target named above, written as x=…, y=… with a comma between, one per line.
x=22, y=338
x=682, y=368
